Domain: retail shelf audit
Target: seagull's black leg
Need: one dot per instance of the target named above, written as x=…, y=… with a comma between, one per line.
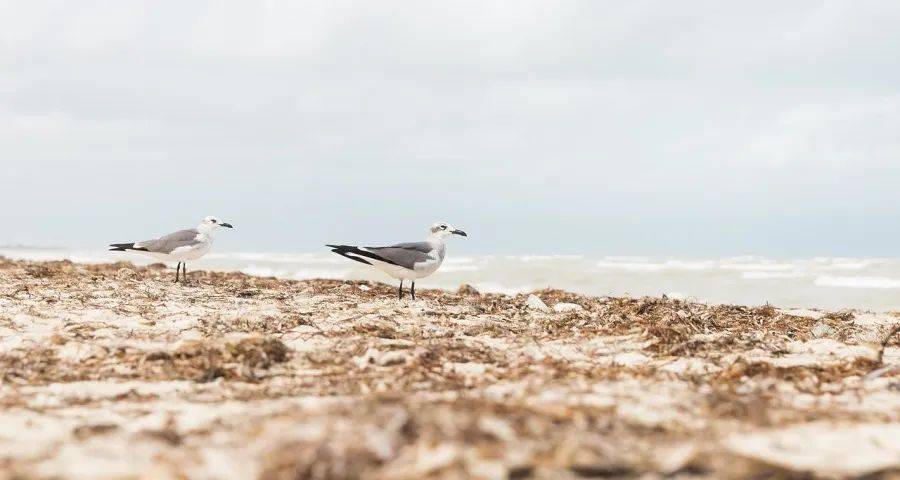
x=184, y=272
x=413, y=290
x=400, y=290
x=177, y=268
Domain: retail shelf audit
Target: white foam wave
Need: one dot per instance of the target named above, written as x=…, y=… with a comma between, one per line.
x=277, y=257
x=690, y=265
x=257, y=271
x=746, y=259
x=843, y=263
x=52, y=255
x=857, y=282
x=625, y=258
x=311, y=273
x=537, y=258
x=301, y=274
x=459, y=268
x=765, y=266
x=632, y=266
x=656, y=267
x=764, y=275
x=459, y=260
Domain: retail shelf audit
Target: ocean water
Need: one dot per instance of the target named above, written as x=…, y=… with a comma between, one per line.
x=832, y=283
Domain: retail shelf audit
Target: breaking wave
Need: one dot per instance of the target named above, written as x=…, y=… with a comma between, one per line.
x=858, y=282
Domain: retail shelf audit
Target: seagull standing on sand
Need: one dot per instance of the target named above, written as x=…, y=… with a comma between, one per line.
x=180, y=246
x=404, y=260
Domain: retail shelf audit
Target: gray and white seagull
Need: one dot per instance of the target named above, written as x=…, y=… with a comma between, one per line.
x=404, y=261
x=180, y=246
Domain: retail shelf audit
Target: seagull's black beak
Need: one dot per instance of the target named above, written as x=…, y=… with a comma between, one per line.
x=458, y=232
x=226, y=225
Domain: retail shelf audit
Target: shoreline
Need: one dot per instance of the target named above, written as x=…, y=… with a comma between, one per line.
x=825, y=283
x=236, y=376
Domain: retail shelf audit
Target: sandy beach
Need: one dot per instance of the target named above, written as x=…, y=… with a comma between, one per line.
x=113, y=371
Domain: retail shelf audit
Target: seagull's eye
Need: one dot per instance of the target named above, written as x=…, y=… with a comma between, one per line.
x=443, y=227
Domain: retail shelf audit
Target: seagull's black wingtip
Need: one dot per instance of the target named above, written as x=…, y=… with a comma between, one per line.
x=124, y=247
x=346, y=250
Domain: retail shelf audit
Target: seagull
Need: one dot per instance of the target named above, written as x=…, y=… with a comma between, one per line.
x=180, y=246
x=404, y=260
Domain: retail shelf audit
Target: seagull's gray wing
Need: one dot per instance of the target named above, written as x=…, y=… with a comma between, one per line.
x=168, y=243
x=405, y=255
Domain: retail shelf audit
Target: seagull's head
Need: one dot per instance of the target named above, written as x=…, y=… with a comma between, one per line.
x=211, y=223
x=443, y=229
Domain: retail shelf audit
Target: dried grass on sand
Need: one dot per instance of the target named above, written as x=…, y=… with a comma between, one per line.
x=112, y=371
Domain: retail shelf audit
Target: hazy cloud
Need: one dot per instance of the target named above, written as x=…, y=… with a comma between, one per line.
x=625, y=127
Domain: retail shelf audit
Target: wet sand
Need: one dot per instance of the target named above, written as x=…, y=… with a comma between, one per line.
x=113, y=371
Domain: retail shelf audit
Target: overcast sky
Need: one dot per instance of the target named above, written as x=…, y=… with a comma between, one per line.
x=627, y=127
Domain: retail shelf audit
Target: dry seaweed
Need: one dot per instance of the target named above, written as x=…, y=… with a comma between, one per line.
x=330, y=379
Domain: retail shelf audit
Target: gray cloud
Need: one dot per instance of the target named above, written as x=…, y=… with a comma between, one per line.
x=628, y=127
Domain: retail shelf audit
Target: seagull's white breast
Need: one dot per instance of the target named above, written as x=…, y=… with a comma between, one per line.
x=192, y=252
x=423, y=269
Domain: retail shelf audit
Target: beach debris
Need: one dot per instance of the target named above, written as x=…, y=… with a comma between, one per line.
x=630, y=358
x=564, y=307
x=267, y=378
x=533, y=302
x=673, y=458
x=45, y=270
x=125, y=273
x=895, y=330
x=82, y=432
x=261, y=352
x=822, y=329
x=373, y=356
x=165, y=435
x=392, y=357
x=75, y=351
x=466, y=368
x=876, y=374
x=248, y=293
x=823, y=448
x=466, y=289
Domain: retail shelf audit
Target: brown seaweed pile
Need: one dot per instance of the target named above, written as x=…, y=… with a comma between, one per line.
x=112, y=371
